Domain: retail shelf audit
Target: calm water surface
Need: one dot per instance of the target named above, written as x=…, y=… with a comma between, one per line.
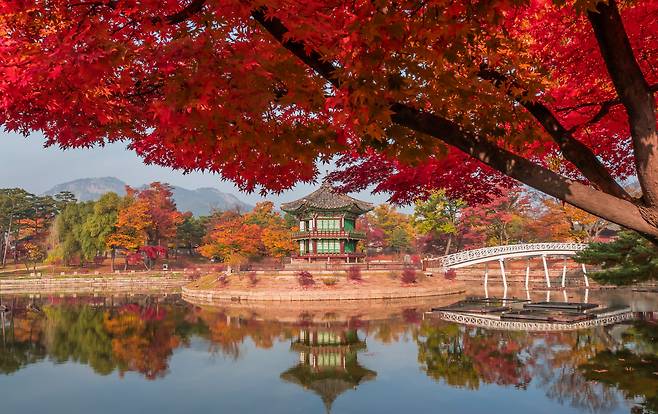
x=141, y=354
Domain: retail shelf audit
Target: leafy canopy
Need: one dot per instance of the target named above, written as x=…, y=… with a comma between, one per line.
x=196, y=84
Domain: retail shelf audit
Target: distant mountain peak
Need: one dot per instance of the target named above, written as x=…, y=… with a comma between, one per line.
x=200, y=201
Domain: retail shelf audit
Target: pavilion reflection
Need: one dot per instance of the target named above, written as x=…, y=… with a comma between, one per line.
x=328, y=362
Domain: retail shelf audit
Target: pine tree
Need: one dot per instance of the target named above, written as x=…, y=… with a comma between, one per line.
x=627, y=260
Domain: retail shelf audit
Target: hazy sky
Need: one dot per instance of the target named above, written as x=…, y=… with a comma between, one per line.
x=24, y=162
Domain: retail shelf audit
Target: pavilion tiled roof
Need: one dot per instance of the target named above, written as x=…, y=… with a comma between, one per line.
x=327, y=198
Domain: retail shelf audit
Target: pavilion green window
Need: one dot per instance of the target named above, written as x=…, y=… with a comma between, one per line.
x=329, y=224
x=328, y=246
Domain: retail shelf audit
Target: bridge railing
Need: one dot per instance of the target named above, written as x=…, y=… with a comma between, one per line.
x=485, y=252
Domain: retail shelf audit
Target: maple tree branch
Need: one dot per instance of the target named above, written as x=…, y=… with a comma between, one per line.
x=194, y=7
x=312, y=58
x=609, y=102
x=634, y=93
x=579, y=154
x=596, y=202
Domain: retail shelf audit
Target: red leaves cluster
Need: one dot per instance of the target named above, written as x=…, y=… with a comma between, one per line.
x=200, y=85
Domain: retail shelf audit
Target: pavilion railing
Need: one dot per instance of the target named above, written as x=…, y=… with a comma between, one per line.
x=330, y=234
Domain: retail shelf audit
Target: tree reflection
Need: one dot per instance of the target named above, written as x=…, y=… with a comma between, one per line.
x=586, y=369
x=132, y=337
x=632, y=368
x=464, y=357
x=21, y=345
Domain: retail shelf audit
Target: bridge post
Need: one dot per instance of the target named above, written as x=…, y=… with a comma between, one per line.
x=548, y=280
x=486, y=280
x=564, y=271
x=527, y=274
x=585, y=275
x=502, y=271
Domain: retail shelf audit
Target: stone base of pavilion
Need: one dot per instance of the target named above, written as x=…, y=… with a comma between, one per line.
x=320, y=259
x=342, y=262
x=285, y=286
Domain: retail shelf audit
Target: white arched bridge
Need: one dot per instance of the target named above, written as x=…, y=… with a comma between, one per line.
x=510, y=251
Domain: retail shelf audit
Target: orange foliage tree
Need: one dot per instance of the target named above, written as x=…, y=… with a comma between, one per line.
x=232, y=240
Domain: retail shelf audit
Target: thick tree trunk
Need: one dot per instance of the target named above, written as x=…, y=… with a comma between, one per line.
x=636, y=96
x=6, y=239
x=447, y=252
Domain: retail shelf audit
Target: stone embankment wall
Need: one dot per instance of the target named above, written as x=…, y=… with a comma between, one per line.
x=139, y=283
x=212, y=296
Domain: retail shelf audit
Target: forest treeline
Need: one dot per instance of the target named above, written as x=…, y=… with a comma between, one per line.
x=145, y=225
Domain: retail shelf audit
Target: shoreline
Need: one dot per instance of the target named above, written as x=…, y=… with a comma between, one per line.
x=217, y=296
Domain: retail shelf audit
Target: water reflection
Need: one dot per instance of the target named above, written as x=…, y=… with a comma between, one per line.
x=599, y=369
x=328, y=362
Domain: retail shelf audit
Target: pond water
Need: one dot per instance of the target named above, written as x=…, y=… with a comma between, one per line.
x=148, y=354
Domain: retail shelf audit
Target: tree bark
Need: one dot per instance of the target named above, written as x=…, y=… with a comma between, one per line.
x=636, y=96
x=447, y=252
x=574, y=151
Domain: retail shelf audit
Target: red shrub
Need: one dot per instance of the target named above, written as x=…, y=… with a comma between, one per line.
x=409, y=275
x=354, y=274
x=305, y=279
x=450, y=274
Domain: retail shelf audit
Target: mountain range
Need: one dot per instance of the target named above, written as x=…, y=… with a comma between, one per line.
x=200, y=201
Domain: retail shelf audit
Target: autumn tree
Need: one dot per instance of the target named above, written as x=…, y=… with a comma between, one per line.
x=397, y=233
x=502, y=220
x=25, y=218
x=275, y=234
x=161, y=209
x=438, y=215
x=549, y=223
x=413, y=95
x=232, y=240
